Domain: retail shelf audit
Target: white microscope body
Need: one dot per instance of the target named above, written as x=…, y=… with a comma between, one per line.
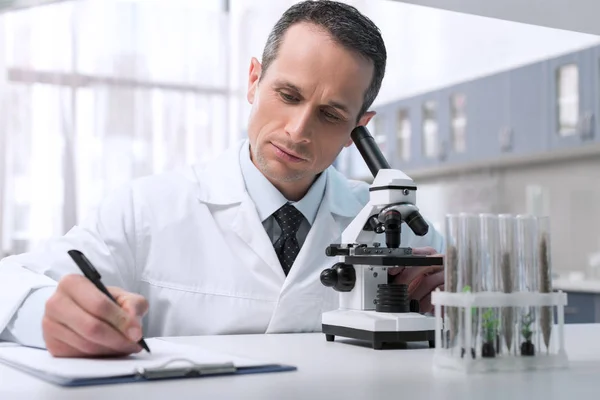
x=370, y=308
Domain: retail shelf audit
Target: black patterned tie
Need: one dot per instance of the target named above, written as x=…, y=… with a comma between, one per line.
x=289, y=219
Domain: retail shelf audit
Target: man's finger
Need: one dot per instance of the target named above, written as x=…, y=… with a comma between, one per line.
x=59, y=348
x=96, y=303
x=66, y=311
x=425, y=305
x=395, y=270
x=411, y=273
x=76, y=345
x=424, y=251
x=427, y=285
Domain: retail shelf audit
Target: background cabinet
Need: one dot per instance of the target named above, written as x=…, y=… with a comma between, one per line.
x=531, y=112
x=595, y=87
x=528, y=126
x=535, y=109
x=477, y=117
x=582, y=308
x=571, y=99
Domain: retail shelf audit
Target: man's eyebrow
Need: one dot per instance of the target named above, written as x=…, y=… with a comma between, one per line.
x=288, y=85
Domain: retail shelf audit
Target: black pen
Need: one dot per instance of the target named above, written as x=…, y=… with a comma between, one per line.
x=94, y=276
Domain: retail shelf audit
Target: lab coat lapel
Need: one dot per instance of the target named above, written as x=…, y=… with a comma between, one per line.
x=222, y=186
x=338, y=207
x=249, y=228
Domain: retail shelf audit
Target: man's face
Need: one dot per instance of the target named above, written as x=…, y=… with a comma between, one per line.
x=305, y=106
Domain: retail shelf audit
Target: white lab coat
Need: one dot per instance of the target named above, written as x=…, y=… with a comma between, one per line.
x=192, y=243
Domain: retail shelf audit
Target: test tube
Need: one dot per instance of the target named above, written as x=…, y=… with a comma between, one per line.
x=468, y=278
x=508, y=278
x=468, y=253
x=451, y=323
x=489, y=276
x=546, y=317
x=527, y=267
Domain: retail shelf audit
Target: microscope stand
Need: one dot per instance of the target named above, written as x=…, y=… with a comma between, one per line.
x=379, y=328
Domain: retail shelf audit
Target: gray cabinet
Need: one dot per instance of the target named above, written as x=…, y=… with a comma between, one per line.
x=476, y=117
x=380, y=128
x=582, y=308
x=570, y=99
x=531, y=109
x=417, y=131
x=430, y=131
x=528, y=115
x=595, y=84
x=404, y=143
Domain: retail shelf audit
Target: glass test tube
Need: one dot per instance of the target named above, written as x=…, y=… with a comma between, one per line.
x=546, y=316
x=468, y=278
x=489, y=276
x=527, y=267
x=508, y=278
x=451, y=324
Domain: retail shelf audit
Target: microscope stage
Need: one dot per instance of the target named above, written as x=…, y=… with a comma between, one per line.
x=378, y=327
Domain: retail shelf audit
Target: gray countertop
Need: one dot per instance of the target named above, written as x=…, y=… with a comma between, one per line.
x=585, y=285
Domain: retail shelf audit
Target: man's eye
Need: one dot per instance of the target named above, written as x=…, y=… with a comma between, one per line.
x=331, y=116
x=287, y=97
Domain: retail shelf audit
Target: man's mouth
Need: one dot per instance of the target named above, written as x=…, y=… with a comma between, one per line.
x=290, y=154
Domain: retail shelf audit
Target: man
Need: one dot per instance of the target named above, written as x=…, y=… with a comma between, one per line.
x=237, y=245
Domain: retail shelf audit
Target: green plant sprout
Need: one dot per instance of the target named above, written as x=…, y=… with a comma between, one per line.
x=526, y=330
x=490, y=325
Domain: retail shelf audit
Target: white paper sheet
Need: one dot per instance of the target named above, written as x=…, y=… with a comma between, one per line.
x=77, y=368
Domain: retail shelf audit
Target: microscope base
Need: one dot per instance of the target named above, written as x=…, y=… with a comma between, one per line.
x=379, y=328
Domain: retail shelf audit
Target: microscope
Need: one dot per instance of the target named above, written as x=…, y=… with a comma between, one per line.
x=370, y=307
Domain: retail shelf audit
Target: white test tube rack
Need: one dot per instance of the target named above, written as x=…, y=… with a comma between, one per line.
x=451, y=358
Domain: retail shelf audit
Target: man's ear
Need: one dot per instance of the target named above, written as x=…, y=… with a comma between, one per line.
x=363, y=121
x=253, y=78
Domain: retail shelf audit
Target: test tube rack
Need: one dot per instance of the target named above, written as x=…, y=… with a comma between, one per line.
x=467, y=305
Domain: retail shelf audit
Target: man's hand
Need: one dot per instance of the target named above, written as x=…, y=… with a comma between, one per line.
x=421, y=281
x=81, y=321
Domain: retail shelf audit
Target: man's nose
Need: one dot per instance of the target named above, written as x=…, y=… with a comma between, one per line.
x=299, y=125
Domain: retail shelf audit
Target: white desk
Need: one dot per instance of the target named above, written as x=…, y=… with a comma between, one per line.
x=345, y=371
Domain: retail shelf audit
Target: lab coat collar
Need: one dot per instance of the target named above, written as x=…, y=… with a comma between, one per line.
x=221, y=183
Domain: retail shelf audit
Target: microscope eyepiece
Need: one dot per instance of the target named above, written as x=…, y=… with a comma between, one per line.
x=368, y=149
x=417, y=223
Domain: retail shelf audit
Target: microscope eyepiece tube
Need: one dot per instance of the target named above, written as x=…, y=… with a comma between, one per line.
x=368, y=149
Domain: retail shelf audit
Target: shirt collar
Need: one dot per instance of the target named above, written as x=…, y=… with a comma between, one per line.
x=268, y=199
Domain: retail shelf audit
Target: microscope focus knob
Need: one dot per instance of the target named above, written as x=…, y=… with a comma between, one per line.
x=329, y=277
x=341, y=277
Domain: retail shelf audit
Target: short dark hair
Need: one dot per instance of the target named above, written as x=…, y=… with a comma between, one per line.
x=346, y=25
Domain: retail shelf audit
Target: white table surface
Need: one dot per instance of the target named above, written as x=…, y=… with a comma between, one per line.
x=343, y=369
